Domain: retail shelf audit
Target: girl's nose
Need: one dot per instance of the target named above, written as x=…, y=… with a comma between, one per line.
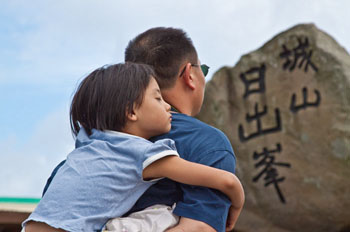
x=167, y=106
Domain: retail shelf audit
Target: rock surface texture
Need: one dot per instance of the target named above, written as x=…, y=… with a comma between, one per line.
x=286, y=110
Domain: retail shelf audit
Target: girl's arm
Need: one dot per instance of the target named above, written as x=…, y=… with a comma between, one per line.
x=180, y=170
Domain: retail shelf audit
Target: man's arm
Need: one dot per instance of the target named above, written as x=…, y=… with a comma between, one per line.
x=48, y=182
x=34, y=226
x=204, y=204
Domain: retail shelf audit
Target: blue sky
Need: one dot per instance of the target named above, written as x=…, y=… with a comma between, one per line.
x=47, y=47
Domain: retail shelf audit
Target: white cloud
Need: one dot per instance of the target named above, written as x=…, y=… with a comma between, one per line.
x=26, y=166
x=67, y=39
x=55, y=43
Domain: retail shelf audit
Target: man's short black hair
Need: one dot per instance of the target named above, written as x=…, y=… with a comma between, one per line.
x=105, y=96
x=165, y=49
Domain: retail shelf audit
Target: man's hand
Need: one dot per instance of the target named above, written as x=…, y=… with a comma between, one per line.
x=190, y=225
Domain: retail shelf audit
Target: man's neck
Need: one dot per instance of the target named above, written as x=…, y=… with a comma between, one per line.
x=178, y=100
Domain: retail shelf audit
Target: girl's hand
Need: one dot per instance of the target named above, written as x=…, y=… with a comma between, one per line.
x=232, y=218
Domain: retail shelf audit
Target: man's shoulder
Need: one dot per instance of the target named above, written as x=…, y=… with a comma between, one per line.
x=194, y=136
x=184, y=122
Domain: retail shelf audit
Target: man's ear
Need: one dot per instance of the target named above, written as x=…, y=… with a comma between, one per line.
x=188, y=79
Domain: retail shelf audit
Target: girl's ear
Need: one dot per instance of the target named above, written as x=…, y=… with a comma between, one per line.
x=131, y=116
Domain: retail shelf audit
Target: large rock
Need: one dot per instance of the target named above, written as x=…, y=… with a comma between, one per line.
x=286, y=111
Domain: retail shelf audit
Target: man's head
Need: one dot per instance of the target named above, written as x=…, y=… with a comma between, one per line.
x=174, y=59
x=165, y=49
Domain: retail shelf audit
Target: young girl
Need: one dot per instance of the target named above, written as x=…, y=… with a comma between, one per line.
x=113, y=113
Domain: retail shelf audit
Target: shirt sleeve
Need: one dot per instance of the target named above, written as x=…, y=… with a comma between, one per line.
x=205, y=204
x=158, y=150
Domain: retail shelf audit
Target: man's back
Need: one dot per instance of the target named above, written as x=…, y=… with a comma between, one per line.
x=200, y=143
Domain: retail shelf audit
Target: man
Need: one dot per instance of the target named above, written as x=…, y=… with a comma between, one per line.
x=180, y=77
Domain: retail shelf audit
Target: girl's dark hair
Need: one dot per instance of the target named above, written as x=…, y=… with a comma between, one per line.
x=104, y=97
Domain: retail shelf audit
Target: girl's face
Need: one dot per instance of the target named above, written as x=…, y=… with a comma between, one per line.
x=153, y=116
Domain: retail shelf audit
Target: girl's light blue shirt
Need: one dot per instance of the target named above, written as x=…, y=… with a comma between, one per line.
x=102, y=179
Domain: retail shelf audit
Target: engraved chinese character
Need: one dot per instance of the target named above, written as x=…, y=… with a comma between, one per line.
x=269, y=171
x=257, y=117
x=298, y=56
x=295, y=108
x=254, y=76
